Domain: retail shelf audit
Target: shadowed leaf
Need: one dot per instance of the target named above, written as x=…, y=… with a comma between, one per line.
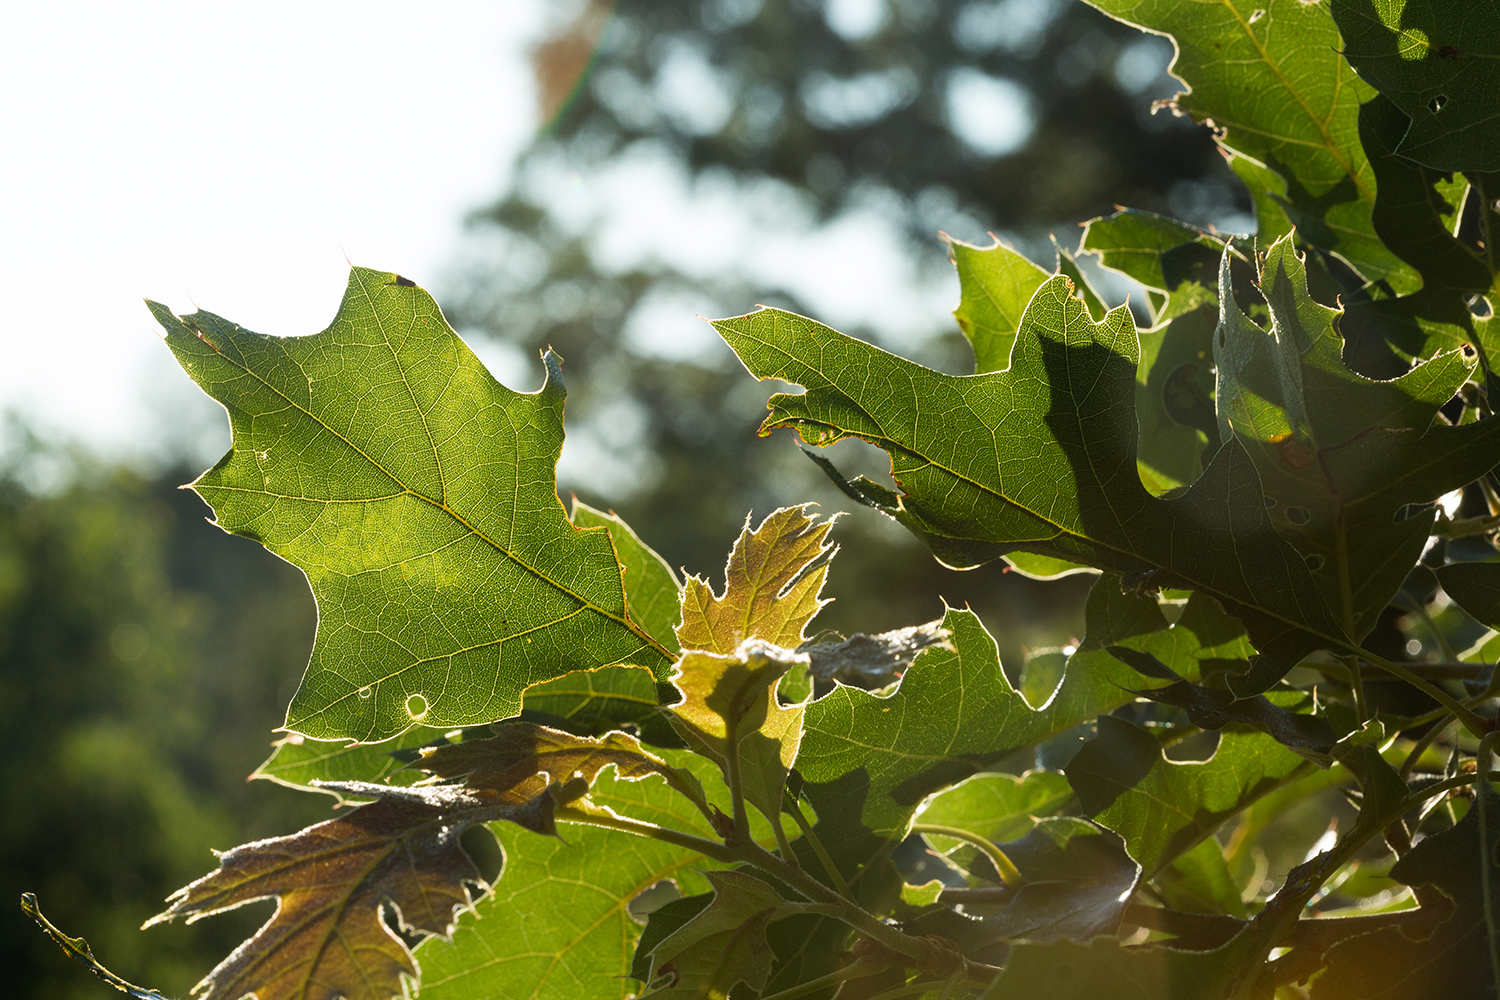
x=1340, y=455
x=723, y=945
x=1041, y=458
x=1436, y=61
x=1161, y=807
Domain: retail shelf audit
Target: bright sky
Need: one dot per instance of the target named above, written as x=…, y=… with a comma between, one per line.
x=229, y=156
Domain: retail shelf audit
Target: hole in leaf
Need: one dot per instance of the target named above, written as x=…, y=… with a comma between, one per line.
x=1315, y=562
x=1480, y=307
x=1198, y=747
x=651, y=899
x=416, y=706
x=1257, y=14
x=366, y=691
x=1298, y=515
x=1436, y=104
x=1270, y=502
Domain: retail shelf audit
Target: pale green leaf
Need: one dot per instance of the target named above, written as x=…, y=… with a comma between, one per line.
x=996, y=284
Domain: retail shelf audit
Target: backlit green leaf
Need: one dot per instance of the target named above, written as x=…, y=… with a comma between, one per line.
x=556, y=925
x=418, y=495
x=1040, y=458
x=996, y=284
x=1269, y=73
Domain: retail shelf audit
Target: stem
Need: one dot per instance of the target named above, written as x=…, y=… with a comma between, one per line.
x=737, y=788
x=610, y=821
x=855, y=916
x=1282, y=911
x=1009, y=873
x=1410, y=763
x=1357, y=684
x=782, y=844
x=857, y=970
x=1437, y=634
x=811, y=837
x=1476, y=725
x=1486, y=854
x=749, y=852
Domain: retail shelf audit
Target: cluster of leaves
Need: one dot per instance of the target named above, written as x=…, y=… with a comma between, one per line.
x=1294, y=446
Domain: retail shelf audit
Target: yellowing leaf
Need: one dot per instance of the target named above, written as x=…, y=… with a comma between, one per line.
x=771, y=586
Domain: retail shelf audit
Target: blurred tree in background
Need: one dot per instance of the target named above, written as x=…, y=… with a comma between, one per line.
x=701, y=156
x=145, y=657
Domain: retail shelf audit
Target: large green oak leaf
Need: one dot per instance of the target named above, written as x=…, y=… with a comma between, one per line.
x=1041, y=458
x=419, y=496
x=1269, y=76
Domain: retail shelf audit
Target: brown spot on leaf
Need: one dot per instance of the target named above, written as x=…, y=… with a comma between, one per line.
x=1292, y=452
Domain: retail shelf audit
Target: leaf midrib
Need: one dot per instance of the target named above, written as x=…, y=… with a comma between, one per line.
x=441, y=505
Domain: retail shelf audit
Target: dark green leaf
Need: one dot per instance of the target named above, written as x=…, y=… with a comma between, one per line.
x=1161, y=807
x=722, y=946
x=1475, y=587
x=663, y=921
x=1436, y=61
x=1452, y=960
x=1068, y=970
x=1214, y=708
x=418, y=495
x=1340, y=455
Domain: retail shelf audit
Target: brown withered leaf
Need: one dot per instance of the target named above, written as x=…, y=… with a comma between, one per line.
x=328, y=937
x=771, y=586
x=519, y=761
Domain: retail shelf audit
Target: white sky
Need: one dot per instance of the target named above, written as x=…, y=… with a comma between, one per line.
x=229, y=157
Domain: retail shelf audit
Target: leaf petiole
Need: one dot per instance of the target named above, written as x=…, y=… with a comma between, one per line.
x=816, y=844
x=1009, y=873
